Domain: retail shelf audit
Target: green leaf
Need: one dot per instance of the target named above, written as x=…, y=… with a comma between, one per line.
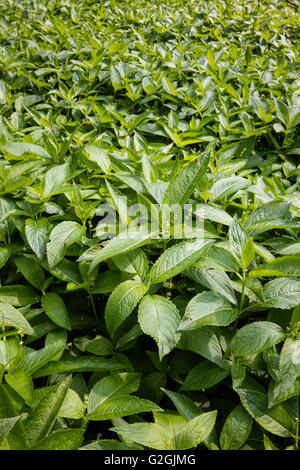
x=6, y=425
x=56, y=310
x=203, y=341
x=22, y=383
x=236, y=429
x=147, y=434
x=72, y=406
x=159, y=318
x=122, y=405
x=204, y=375
x=42, y=418
x=11, y=317
x=79, y=364
x=122, y=243
x=133, y=262
x=18, y=295
x=55, y=179
x=224, y=187
x=196, y=430
x=5, y=252
x=178, y=258
x=18, y=149
x=121, y=303
x=111, y=386
x=109, y=444
x=37, y=232
x=283, y=266
x=31, y=270
x=32, y=360
x=207, y=308
x=256, y=337
x=282, y=293
x=186, y=181
x=248, y=253
x=100, y=346
x=275, y=420
x=62, y=439
x=62, y=236
x=184, y=405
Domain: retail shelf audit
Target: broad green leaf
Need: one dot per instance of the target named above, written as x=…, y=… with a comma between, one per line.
x=121, y=303
x=213, y=279
x=256, y=337
x=5, y=252
x=18, y=295
x=100, y=346
x=42, y=418
x=37, y=232
x=72, y=406
x=56, y=310
x=79, y=364
x=203, y=341
x=55, y=179
x=248, y=253
x=159, y=318
x=225, y=187
x=11, y=317
x=133, y=262
x=32, y=360
x=186, y=181
x=196, y=430
x=122, y=405
x=147, y=434
x=61, y=237
x=282, y=293
x=6, y=425
x=236, y=429
x=31, y=270
x=208, y=308
x=122, y=243
x=18, y=149
x=178, y=258
x=109, y=444
x=275, y=420
x=204, y=375
x=22, y=383
x=62, y=439
x=283, y=266
x=114, y=385
x=99, y=156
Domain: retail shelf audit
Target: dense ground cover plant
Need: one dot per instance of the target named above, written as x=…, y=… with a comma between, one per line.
x=164, y=340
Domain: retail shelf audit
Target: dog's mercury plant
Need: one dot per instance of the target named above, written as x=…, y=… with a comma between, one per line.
x=149, y=225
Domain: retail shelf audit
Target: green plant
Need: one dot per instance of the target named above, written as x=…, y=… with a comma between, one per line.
x=186, y=116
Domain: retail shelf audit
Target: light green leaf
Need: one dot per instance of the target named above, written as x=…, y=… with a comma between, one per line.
x=236, y=429
x=208, y=308
x=56, y=310
x=43, y=416
x=31, y=270
x=256, y=337
x=62, y=439
x=61, y=237
x=178, y=258
x=282, y=293
x=11, y=317
x=283, y=266
x=18, y=295
x=204, y=375
x=36, y=232
x=121, y=303
x=185, y=182
x=159, y=318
